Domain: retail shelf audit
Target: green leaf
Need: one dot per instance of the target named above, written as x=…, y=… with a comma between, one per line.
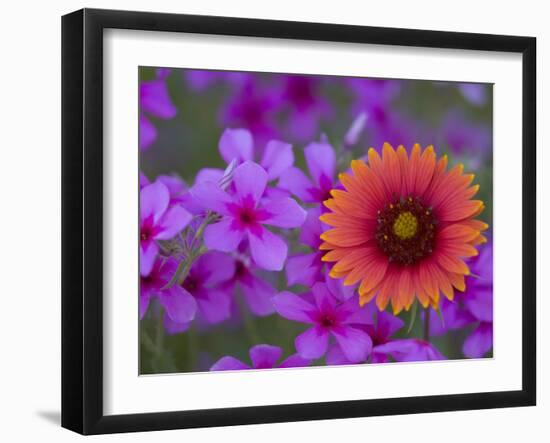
x=440, y=315
x=413, y=315
x=181, y=270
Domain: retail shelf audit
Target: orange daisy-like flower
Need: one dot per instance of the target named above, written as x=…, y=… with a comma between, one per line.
x=403, y=227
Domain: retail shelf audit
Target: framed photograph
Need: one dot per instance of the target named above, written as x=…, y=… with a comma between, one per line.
x=269, y=221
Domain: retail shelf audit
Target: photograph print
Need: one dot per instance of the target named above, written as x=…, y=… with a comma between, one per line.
x=293, y=220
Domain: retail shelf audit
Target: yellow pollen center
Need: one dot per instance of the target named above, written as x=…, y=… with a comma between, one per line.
x=405, y=225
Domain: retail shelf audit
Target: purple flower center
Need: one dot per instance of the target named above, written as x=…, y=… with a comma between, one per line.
x=322, y=193
x=327, y=320
x=154, y=279
x=299, y=90
x=240, y=269
x=145, y=233
x=191, y=283
x=377, y=337
x=247, y=216
x=251, y=111
x=147, y=230
x=379, y=115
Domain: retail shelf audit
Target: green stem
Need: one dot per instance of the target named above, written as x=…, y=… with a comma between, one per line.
x=412, y=319
x=427, y=324
x=192, y=348
x=182, y=269
x=184, y=266
x=159, y=336
x=148, y=343
x=249, y=322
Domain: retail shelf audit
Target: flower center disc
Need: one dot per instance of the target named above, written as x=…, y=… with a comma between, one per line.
x=406, y=230
x=405, y=225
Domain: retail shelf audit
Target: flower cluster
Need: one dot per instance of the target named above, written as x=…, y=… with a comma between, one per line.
x=297, y=233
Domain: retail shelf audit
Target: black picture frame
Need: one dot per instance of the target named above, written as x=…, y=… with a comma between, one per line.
x=82, y=220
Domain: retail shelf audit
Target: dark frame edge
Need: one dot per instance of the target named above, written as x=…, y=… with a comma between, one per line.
x=72, y=221
x=529, y=221
x=310, y=411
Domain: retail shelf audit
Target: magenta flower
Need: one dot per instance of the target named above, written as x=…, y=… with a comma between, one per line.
x=383, y=327
x=205, y=284
x=154, y=100
x=321, y=163
x=343, y=293
x=244, y=215
x=143, y=180
x=213, y=175
x=256, y=291
x=472, y=307
x=178, y=304
x=302, y=98
x=328, y=318
x=307, y=268
x=262, y=357
x=400, y=350
x=411, y=349
x=180, y=193
x=467, y=139
x=478, y=300
x=252, y=106
x=176, y=188
x=158, y=221
x=384, y=123
x=238, y=144
x=381, y=332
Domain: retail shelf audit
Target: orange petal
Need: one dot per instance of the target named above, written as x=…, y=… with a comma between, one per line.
x=367, y=297
x=460, y=211
x=386, y=289
x=392, y=169
x=476, y=225
x=369, y=181
x=355, y=257
x=457, y=280
x=376, y=166
x=428, y=282
x=341, y=220
x=458, y=232
x=479, y=240
x=373, y=275
x=347, y=237
x=352, y=204
x=405, y=291
x=459, y=250
x=336, y=254
x=333, y=206
x=442, y=280
x=404, y=164
x=396, y=303
x=421, y=294
x=359, y=194
x=335, y=274
x=326, y=246
x=452, y=264
x=425, y=171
